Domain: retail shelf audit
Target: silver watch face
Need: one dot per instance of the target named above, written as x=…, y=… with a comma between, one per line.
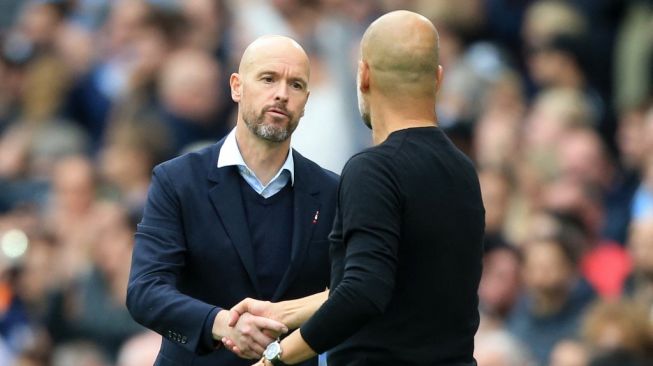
x=272, y=351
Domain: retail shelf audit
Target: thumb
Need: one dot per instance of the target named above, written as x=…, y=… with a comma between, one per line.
x=233, y=317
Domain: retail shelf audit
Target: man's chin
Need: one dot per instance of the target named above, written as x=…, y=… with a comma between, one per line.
x=272, y=134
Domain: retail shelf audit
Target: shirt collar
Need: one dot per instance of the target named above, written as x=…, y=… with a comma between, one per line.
x=230, y=155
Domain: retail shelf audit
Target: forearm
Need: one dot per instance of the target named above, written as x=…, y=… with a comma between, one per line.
x=295, y=349
x=348, y=312
x=296, y=312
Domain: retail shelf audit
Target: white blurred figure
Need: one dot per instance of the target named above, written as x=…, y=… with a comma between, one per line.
x=499, y=348
x=140, y=350
x=569, y=353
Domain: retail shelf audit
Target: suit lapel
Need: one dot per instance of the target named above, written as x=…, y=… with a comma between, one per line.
x=306, y=205
x=227, y=200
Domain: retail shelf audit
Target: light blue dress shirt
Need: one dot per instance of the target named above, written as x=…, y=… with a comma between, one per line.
x=230, y=155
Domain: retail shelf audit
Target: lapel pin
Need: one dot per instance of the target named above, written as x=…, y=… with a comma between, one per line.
x=317, y=214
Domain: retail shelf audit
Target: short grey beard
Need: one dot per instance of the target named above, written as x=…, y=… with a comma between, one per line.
x=270, y=133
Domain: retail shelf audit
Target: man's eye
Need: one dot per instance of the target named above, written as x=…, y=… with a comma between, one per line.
x=298, y=86
x=267, y=79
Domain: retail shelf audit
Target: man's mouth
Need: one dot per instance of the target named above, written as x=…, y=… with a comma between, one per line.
x=277, y=112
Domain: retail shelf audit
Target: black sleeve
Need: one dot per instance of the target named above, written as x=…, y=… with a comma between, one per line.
x=370, y=205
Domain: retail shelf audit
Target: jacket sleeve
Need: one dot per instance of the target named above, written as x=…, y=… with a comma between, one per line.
x=158, y=261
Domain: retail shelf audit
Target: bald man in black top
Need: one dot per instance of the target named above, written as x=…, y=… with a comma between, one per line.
x=406, y=245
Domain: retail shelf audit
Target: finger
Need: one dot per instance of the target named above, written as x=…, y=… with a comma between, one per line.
x=258, y=350
x=261, y=339
x=231, y=346
x=273, y=325
x=242, y=307
x=254, y=352
x=233, y=317
x=271, y=334
x=227, y=342
x=236, y=351
x=247, y=347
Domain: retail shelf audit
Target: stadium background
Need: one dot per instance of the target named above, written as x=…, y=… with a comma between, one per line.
x=551, y=99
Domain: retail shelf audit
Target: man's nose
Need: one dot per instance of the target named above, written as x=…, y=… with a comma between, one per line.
x=281, y=93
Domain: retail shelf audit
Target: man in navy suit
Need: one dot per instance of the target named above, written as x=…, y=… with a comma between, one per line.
x=246, y=217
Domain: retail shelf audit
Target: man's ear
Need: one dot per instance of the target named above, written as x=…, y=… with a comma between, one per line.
x=438, y=80
x=236, y=84
x=308, y=94
x=363, y=76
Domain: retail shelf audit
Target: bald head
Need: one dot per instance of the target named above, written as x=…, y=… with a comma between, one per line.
x=273, y=47
x=401, y=49
x=271, y=88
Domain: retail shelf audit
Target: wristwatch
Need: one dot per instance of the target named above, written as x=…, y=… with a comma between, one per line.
x=273, y=354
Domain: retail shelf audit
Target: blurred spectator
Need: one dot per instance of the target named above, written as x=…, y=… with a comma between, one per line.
x=40, y=20
x=500, y=282
x=71, y=212
x=544, y=21
x=582, y=156
x=497, y=130
x=74, y=46
x=35, y=279
x=92, y=96
x=618, y=326
x=634, y=56
x=131, y=151
x=93, y=93
x=605, y=264
x=548, y=18
x=92, y=307
x=192, y=104
x=639, y=284
x=555, y=295
x=210, y=22
x=495, y=189
x=555, y=112
x=562, y=47
x=631, y=138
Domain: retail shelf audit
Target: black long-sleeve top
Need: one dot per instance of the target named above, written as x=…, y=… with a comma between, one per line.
x=406, y=253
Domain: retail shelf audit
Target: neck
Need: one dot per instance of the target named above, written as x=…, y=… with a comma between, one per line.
x=399, y=114
x=264, y=158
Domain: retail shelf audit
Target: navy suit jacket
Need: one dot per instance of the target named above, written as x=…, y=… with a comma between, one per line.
x=193, y=251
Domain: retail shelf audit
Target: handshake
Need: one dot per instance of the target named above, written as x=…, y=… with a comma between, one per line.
x=250, y=326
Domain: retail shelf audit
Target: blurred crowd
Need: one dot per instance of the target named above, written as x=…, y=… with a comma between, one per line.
x=552, y=100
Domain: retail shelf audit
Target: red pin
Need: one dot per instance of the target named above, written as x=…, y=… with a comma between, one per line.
x=317, y=214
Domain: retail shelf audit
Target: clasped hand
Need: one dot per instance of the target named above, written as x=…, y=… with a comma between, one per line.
x=252, y=327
